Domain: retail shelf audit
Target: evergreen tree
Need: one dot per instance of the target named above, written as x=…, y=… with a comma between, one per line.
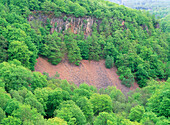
x=109, y=62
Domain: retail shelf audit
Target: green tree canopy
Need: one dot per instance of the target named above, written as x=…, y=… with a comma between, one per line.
x=105, y=118
x=136, y=113
x=101, y=103
x=71, y=113
x=19, y=50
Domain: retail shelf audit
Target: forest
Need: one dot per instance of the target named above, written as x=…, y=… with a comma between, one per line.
x=133, y=41
x=160, y=8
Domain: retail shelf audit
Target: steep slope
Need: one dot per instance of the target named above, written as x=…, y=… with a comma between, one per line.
x=90, y=72
x=84, y=30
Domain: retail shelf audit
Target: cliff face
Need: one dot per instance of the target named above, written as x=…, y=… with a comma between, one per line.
x=63, y=23
x=85, y=24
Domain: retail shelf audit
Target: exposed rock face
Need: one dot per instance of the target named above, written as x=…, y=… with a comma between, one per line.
x=63, y=23
x=75, y=24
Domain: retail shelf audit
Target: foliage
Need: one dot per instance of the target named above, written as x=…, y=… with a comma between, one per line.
x=159, y=102
x=149, y=118
x=4, y=97
x=2, y=114
x=55, y=97
x=19, y=50
x=101, y=103
x=11, y=121
x=136, y=113
x=86, y=107
x=63, y=103
x=39, y=80
x=28, y=115
x=109, y=62
x=15, y=76
x=53, y=48
x=11, y=106
x=131, y=39
x=3, y=49
x=160, y=8
x=74, y=55
x=71, y=113
x=105, y=118
x=57, y=121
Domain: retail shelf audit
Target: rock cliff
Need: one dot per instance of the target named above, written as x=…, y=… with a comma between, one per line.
x=64, y=22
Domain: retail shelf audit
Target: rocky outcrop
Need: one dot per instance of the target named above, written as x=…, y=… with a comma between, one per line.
x=74, y=24
x=64, y=22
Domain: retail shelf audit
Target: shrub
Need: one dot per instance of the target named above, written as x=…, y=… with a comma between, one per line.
x=65, y=18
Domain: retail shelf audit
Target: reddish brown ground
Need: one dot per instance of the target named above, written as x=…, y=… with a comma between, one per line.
x=90, y=72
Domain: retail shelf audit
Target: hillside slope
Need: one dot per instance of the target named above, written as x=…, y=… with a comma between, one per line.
x=159, y=8
x=90, y=72
x=85, y=30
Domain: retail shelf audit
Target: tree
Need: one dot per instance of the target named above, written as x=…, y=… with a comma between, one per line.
x=162, y=121
x=91, y=89
x=116, y=25
x=97, y=13
x=84, y=49
x=28, y=115
x=109, y=49
x=94, y=47
x=48, y=6
x=53, y=48
x=74, y=55
x=141, y=75
x=39, y=80
x=42, y=96
x=19, y=50
x=80, y=92
x=11, y=121
x=129, y=80
x=2, y=114
x=16, y=95
x=159, y=101
x=126, y=76
x=71, y=113
x=33, y=5
x=3, y=49
x=149, y=118
x=80, y=11
x=33, y=102
x=115, y=94
x=86, y=107
x=101, y=103
x=56, y=121
x=4, y=98
x=55, y=97
x=105, y=118
x=128, y=122
x=136, y=113
x=12, y=105
x=55, y=56
x=109, y=62
x=15, y=76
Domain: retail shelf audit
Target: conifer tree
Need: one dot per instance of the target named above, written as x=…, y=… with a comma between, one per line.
x=109, y=62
